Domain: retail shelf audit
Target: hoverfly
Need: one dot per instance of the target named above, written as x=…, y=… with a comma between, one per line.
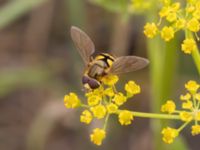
x=103, y=64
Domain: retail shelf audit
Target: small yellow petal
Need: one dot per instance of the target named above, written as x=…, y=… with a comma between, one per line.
x=167, y=33
x=188, y=45
x=186, y=116
x=180, y=23
x=187, y=105
x=168, y=107
x=169, y=134
x=93, y=100
x=192, y=86
x=195, y=130
x=112, y=108
x=125, y=117
x=119, y=99
x=109, y=92
x=86, y=117
x=98, y=136
x=99, y=111
x=110, y=79
x=185, y=97
x=193, y=25
x=71, y=100
x=150, y=30
x=132, y=88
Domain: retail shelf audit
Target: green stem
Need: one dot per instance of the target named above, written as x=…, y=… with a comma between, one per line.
x=154, y=115
x=183, y=126
x=84, y=106
x=106, y=121
x=194, y=101
x=198, y=105
x=195, y=52
x=196, y=57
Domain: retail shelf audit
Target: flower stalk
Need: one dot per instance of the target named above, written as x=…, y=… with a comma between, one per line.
x=195, y=52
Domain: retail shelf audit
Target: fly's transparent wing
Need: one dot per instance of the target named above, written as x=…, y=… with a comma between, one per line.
x=83, y=43
x=126, y=64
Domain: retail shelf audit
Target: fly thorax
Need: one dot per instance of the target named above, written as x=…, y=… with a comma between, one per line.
x=107, y=59
x=97, y=69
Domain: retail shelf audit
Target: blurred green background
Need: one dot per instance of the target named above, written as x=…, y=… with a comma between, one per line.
x=39, y=65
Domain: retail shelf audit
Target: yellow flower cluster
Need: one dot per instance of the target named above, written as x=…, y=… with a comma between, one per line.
x=97, y=136
x=103, y=102
x=125, y=117
x=168, y=107
x=190, y=111
x=169, y=134
x=71, y=100
x=177, y=18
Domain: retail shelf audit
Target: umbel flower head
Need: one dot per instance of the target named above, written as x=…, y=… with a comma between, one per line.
x=103, y=102
x=190, y=112
x=177, y=17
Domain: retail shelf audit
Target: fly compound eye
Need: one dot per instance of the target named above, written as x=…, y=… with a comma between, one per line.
x=85, y=79
x=94, y=84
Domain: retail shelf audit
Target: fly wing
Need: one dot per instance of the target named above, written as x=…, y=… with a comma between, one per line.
x=83, y=43
x=126, y=64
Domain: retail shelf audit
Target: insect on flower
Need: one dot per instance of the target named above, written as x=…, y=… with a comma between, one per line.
x=103, y=64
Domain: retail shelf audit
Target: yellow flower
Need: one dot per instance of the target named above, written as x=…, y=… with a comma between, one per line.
x=168, y=107
x=193, y=25
x=197, y=116
x=93, y=100
x=98, y=92
x=186, y=116
x=86, y=117
x=175, y=6
x=132, y=88
x=190, y=9
x=191, y=1
x=192, y=86
x=169, y=134
x=166, y=2
x=167, y=33
x=197, y=96
x=99, y=111
x=187, y=105
x=109, y=92
x=195, y=130
x=171, y=17
x=169, y=11
x=164, y=12
x=71, y=100
x=119, y=99
x=196, y=14
x=112, y=108
x=125, y=117
x=150, y=30
x=98, y=136
x=110, y=80
x=180, y=23
x=188, y=45
x=186, y=97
